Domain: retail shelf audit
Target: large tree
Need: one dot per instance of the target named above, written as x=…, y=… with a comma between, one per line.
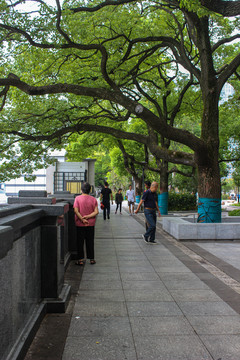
x=105, y=54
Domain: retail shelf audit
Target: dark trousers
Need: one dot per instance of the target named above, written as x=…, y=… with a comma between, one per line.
x=120, y=207
x=151, y=218
x=85, y=234
x=146, y=224
x=106, y=210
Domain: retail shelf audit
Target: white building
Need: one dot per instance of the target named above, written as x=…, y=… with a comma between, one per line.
x=58, y=177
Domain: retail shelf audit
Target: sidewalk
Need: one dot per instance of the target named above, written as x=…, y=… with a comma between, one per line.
x=146, y=302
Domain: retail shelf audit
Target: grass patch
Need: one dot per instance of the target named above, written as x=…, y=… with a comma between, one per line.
x=234, y=213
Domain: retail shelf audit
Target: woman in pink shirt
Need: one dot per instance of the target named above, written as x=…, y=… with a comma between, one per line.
x=86, y=210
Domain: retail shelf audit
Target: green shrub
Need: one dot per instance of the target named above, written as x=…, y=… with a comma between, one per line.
x=181, y=202
x=225, y=197
x=234, y=213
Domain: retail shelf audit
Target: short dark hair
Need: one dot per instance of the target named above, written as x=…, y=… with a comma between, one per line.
x=130, y=185
x=105, y=183
x=86, y=187
x=148, y=183
x=119, y=189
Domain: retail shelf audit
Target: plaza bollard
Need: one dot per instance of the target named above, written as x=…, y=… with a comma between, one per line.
x=209, y=210
x=163, y=203
x=138, y=197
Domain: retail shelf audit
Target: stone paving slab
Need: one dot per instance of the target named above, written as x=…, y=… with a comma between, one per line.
x=97, y=348
x=206, y=308
x=100, y=327
x=224, y=347
x=194, y=295
x=143, y=285
x=140, y=276
x=102, y=295
x=147, y=295
x=153, y=308
x=186, y=285
x=136, y=269
x=100, y=285
x=103, y=269
x=165, y=325
x=143, y=302
x=230, y=254
x=100, y=276
x=178, y=277
x=133, y=258
x=100, y=308
x=172, y=269
x=187, y=347
x=215, y=325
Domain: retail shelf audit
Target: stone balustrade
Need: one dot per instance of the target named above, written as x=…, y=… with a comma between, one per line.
x=37, y=240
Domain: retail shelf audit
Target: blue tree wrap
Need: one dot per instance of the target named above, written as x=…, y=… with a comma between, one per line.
x=138, y=197
x=209, y=210
x=163, y=203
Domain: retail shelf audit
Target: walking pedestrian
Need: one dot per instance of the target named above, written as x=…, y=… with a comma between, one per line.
x=147, y=184
x=86, y=210
x=106, y=193
x=119, y=200
x=131, y=199
x=150, y=208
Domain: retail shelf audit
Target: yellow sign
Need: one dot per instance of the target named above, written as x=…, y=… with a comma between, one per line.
x=74, y=187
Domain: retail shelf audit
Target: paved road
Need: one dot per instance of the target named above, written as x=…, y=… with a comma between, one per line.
x=148, y=302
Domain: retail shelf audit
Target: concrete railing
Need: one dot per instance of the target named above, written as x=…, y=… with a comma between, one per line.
x=36, y=244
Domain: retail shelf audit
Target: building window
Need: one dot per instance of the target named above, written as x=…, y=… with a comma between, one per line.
x=67, y=180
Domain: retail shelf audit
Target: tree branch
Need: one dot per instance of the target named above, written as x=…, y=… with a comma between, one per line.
x=225, y=41
x=223, y=7
x=177, y=171
x=147, y=96
x=229, y=160
x=180, y=99
x=59, y=14
x=132, y=158
x=175, y=47
x=179, y=135
x=128, y=161
x=228, y=71
x=70, y=44
x=176, y=157
x=101, y=5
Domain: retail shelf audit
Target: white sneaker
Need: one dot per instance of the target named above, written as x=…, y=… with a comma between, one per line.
x=145, y=239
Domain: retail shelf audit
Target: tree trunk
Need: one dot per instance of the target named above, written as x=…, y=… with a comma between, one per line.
x=138, y=185
x=209, y=181
x=163, y=198
x=164, y=177
x=209, y=191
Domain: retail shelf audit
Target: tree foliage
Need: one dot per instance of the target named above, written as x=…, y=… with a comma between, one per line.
x=88, y=65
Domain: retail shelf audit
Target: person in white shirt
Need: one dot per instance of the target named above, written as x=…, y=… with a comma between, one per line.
x=131, y=199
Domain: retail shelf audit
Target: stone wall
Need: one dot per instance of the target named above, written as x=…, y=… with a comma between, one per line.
x=34, y=253
x=20, y=287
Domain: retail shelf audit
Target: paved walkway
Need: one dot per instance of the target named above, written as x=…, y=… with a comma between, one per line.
x=143, y=302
